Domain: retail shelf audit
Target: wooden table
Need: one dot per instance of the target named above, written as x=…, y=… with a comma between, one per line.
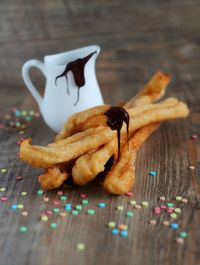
x=137, y=39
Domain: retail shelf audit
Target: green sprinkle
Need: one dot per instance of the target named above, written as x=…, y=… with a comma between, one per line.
x=40, y=192
x=129, y=214
x=132, y=202
x=173, y=215
x=78, y=207
x=183, y=234
x=24, y=193
x=63, y=198
x=53, y=225
x=85, y=202
x=20, y=206
x=170, y=204
x=17, y=124
x=23, y=229
x=74, y=212
x=2, y=189
x=145, y=204
x=28, y=118
x=91, y=212
x=177, y=210
x=111, y=224
x=56, y=210
x=178, y=198
x=120, y=208
x=80, y=246
x=3, y=170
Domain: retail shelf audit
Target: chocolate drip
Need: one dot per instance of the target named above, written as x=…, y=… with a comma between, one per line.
x=77, y=68
x=116, y=117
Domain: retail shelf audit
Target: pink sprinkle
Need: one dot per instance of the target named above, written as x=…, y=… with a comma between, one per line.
x=194, y=137
x=137, y=206
x=56, y=203
x=129, y=194
x=49, y=212
x=60, y=192
x=18, y=178
x=153, y=222
x=180, y=240
x=157, y=210
x=162, y=198
x=170, y=210
x=18, y=142
x=45, y=199
x=83, y=195
x=165, y=223
x=184, y=200
x=1, y=126
x=18, y=154
x=163, y=207
x=4, y=199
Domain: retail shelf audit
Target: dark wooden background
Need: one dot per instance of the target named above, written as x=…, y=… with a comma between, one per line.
x=137, y=39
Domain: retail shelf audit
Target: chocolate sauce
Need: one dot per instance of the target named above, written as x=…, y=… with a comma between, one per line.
x=116, y=117
x=77, y=68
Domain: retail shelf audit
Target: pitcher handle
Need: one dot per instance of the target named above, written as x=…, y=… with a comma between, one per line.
x=26, y=77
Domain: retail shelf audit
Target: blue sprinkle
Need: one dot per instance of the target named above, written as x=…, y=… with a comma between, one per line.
x=68, y=207
x=17, y=113
x=174, y=226
x=101, y=205
x=124, y=233
x=115, y=231
x=14, y=206
x=153, y=173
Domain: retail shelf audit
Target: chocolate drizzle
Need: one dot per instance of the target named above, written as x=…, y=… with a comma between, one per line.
x=77, y=68
x=116, y=117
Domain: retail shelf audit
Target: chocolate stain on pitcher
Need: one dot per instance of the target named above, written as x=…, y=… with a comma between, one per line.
x=77, y=68
x=116, y=116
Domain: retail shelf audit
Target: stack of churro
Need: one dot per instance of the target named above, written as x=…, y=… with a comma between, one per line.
x=86, y=142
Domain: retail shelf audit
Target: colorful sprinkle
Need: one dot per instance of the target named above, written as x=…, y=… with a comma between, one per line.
x=191, y=167
x=157, y=210
x=23, y=229
x=83, y=195
x=132, y=202
x=174, y=226
x=68, y=207
x=49, y=212
x=44, y=218
x=78, y=207
x=153, y=222
x=153, y=173
x=145, y=204
x=111, y=224
x=18, y=178
x=129, y=214
x=173, y=215
x=60, y=192
x=80, y=246
x=123, y=227
x=74, y=212
x=124, y=233
x=2, y=189
x=20, y=206
x=45, y=199
x=194, y=137
x=162, y=198
x=24, y=193
x=183, y=234
x=177, y=210
x=3, y=170
x=170, y=205
x=184, y=200
x=180, y=240
x=53, y=225
x=14, y=206
x=137, y=206
x=163, y=207
x=63, y=198
x=165, y=223
x=129, y=194
x=62, y=214
x=102, y=205
x=85, y=202
x=40, y=192
x=115, y=231
x=24, y=213
x=91, y=212
x=4, y=199
x=120, y=208
x=56, y=210
x=178, y=198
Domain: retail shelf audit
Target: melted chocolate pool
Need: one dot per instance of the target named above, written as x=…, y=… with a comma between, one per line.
x=116, y=117
x=77, y=68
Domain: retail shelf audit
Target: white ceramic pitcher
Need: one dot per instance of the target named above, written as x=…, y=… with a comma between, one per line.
x=61, y=99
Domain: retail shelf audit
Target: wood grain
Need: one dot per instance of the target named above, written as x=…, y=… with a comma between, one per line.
x=137, y=39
